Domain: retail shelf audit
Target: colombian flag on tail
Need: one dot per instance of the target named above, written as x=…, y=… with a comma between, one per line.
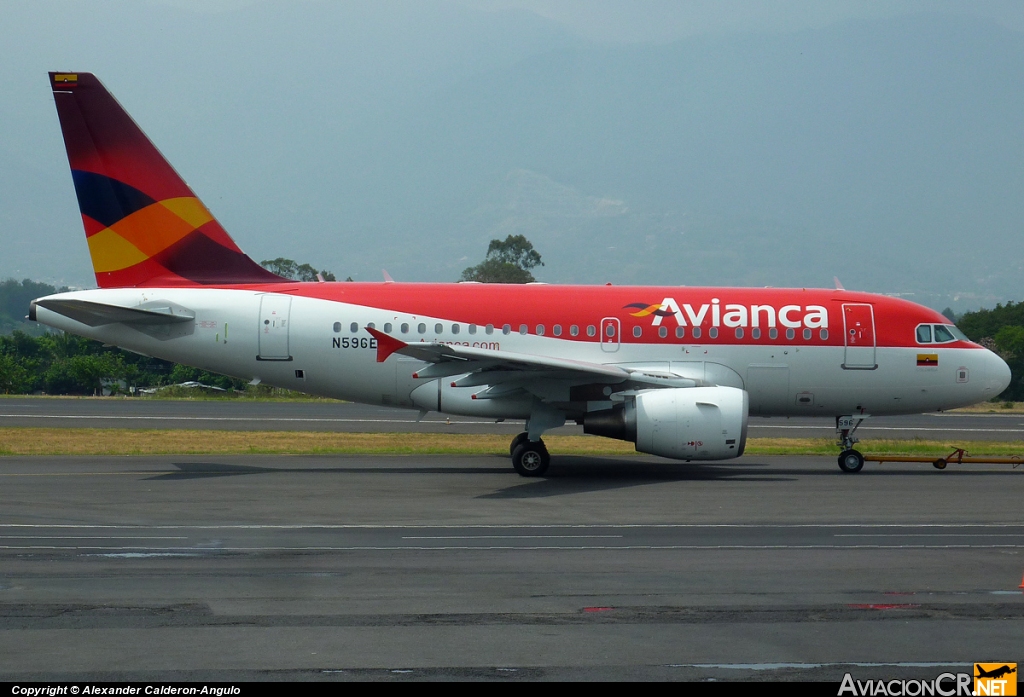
x=145, y=227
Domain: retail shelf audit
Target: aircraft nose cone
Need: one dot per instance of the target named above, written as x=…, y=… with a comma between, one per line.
x=997, y=374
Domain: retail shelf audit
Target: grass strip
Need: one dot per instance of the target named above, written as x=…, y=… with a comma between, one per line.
x=124, y=441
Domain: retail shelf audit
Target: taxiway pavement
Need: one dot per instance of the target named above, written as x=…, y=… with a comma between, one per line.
x=357, y=567
x=344, y=416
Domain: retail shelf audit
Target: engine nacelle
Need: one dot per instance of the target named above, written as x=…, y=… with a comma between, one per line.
x=693, y=423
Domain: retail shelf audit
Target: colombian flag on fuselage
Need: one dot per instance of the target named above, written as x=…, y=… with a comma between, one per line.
x=927, y=359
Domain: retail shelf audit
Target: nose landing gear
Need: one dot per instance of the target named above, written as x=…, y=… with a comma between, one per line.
x=850, y=460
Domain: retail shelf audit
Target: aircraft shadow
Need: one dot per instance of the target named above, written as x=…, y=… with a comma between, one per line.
x=570, y=474
x=204, y=470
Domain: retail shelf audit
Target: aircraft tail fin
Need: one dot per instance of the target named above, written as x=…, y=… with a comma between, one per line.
x=144, y=225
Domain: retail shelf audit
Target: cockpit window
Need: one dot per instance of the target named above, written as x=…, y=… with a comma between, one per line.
x=939, y=334
x=955, y=331
x=942, y=334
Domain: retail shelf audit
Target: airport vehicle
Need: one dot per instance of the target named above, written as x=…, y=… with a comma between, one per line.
x=676, y=370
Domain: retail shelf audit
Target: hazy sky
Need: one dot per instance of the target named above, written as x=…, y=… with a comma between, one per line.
x=660, y=141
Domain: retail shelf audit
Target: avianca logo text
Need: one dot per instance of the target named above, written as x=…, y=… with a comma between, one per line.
x=732, y=315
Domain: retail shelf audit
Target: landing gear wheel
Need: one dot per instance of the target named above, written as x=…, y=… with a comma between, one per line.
x=531, y=458
x=851, y=461
x=517, y=441
x=939, y=464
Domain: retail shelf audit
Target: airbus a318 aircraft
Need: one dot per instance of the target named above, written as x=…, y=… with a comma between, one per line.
x=675, y=370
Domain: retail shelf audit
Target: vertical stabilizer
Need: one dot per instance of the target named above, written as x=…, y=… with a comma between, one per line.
x=145, y=227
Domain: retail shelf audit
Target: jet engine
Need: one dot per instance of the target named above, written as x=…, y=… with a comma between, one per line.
x=689, y=423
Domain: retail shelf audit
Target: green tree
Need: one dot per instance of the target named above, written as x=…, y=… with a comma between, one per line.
x=1001, y=329
x=288, y=268
x=14, y=299
x=14, y=376
x=507, y=261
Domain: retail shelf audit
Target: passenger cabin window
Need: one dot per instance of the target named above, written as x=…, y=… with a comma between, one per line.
x=739, y=332
x=354, y=327
x=421, y=328
x=713, y=333
x=591, y=330
x=680, y=332
x=506, y=328
x=696, y=332
x=807, y=334
x=523, y=329
x=557, y=330
x=472, y=329
x=823, y=334
x=773, y=333
x=540, y=330
x=387, y=327
x=755, y=333
x=637, y=331
x=371, y=325
x=924, y=333
x=790, y=334
x=574, y=330
x=405, y=328
x=663, y=332
x=337, y=327
x=438, y=328
x=489, y=329
x=455, y=329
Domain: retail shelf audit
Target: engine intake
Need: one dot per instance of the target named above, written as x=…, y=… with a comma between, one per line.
x=693, y=423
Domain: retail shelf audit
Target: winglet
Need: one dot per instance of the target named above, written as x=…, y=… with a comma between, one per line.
x=839, y=286
x=386, y=345
x=387, y=276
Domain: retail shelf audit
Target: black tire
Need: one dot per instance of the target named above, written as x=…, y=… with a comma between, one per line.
x=939, y=464
x=517, y=441
x=531, y=459
x=851, y=461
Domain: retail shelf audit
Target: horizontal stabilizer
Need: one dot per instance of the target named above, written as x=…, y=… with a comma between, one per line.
x=96, y=314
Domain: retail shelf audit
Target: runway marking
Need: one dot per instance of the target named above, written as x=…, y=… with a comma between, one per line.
x=897, y=428
x=505, y=537
x=286, y=419
x=940, y=534
x=92, y=537
x=779, y=666
x=508, y=526
x=527, y=548
x=86, y=474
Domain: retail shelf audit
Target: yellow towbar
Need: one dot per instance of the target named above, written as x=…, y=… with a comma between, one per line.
x=959, y=456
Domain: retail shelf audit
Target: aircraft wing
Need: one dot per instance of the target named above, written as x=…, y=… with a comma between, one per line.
x=491, y=367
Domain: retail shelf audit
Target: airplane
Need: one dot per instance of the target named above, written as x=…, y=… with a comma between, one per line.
x=676, y=370
x=995, y=673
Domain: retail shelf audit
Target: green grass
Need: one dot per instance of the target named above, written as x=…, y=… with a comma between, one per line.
x=102, y=441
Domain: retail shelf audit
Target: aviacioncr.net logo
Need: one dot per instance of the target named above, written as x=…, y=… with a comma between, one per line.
x=945, y=685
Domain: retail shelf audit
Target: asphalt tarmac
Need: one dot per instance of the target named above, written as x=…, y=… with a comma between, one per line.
x=247, y=415
x=446, y=567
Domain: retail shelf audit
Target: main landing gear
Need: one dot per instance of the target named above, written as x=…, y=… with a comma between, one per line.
x=529, y=458
x=850, y=460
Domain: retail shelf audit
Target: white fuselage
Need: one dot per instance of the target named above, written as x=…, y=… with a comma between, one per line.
x=309, y=345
